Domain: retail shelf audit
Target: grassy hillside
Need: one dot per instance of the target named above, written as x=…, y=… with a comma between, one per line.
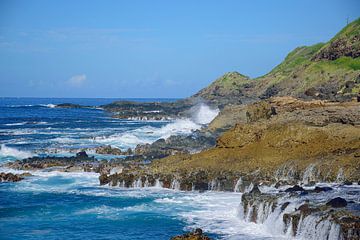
x=230, y=86
x=325, y=71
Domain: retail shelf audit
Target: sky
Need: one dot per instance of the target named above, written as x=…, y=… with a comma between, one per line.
x=152, y=49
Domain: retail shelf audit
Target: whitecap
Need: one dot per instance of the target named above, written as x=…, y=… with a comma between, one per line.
x=6, y=151
x=15, y=124
x=50, y=105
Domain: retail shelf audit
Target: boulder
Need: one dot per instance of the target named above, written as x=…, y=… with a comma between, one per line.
x=295, y=188
x=337, y=202
x=195, y=235
x=82, y=154
x=322, y=189
x=11, y=177
x=108, y=150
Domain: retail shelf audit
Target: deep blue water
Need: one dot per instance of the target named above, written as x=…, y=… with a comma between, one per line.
x=34, y=125
x=56, y=205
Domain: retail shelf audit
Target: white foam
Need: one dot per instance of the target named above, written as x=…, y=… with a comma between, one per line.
x=148, y=134
x=6, y=151
x=15, y=124
x=48, y=105
x=63, y=140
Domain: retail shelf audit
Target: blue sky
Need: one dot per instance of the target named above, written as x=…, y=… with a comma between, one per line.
x=152, y=48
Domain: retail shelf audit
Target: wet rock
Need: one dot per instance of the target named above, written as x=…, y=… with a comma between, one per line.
x=348, y=183
x=255, y=205
x=322, y=189
x=76, y=163
x=295, y=188
x=11, y=177
x=197, y=234
x=284, y=206
x=104, y=179
x=82, y=154
x=255, y=190
x=337, y=202
x=147, y=110
x=70, y=105
x=281, y=183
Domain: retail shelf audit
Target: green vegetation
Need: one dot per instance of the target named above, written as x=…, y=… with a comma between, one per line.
x=296, y=58
x=349, y=31
x=320, y=70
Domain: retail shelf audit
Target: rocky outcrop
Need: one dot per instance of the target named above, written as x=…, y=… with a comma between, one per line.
x=197, y=234
x=283, y=135
x=80, y=162
x=344, y=44
x=231, y=88
x=173, y=145
x=12, y=177
x=340, y=48
x=187, y=181
x=337, y=202
x=112, y=150
x=303, y=219
x=70, y=105
x=148, y=110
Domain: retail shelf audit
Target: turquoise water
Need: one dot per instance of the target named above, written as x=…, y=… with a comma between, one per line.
x=57, y=205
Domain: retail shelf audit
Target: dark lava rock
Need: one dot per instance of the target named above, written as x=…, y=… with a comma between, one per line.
x=255, y=190
x=104, y=179
x=82, y=154
x=347, y=183
x=69, y=105
x=295, y=188
x=195, y=235
x=284, y=206
x=337, y=202
x=79, y=161
x=322, y=189
x=195, y=142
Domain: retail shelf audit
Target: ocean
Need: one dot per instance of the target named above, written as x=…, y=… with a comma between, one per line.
x=59, y=205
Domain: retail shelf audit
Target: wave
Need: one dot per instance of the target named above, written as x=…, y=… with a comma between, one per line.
x=180, y=126
x=50, y=105
x=63, y=140
x=148, y=134
x=124, y=140
x=13, y=152
x=15, y=124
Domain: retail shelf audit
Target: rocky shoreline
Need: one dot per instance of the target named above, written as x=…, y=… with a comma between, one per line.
x=276, y=140
x=275, y=143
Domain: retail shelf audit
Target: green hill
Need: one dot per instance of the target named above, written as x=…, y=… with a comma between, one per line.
x=324, y=71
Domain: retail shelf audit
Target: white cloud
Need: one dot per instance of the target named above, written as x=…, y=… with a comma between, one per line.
x=77, y=80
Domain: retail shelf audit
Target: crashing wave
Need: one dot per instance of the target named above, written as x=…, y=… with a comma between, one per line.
x=6, y=151
x=203, y=114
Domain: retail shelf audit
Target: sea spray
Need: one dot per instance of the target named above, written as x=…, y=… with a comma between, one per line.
x=200, y=114
x=6, y=151
x=238, y=184
x=203, y=114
